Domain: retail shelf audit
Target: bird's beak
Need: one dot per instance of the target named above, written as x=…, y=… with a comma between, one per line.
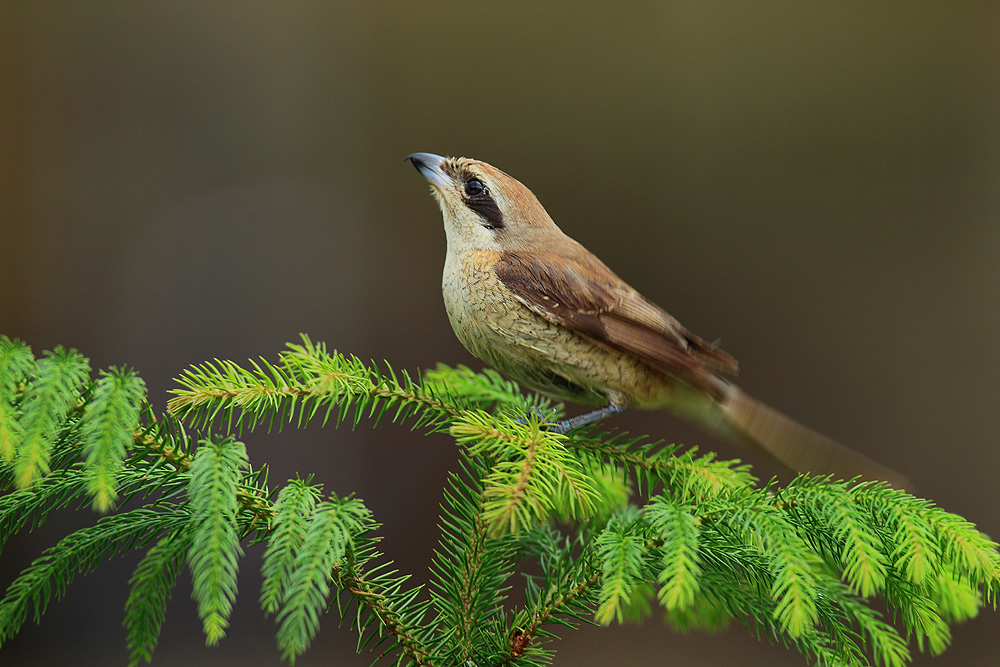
x=431, y=166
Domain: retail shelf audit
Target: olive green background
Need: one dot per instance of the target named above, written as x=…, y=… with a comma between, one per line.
x=817, y=184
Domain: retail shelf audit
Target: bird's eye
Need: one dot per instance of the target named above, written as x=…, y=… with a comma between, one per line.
x=474, y=187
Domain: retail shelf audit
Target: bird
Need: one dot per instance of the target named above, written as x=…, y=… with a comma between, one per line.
x=544, y=311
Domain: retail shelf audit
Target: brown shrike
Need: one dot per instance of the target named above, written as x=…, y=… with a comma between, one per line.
x=542, y=310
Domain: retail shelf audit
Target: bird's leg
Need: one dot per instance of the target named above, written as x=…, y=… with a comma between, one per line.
x=566, y=425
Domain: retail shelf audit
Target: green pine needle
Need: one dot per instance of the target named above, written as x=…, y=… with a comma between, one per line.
x=293, y=510
x=16, y=365
x=677, y=527
x=596, y=526
x=470, y=570
x=215, y=548
x=328, y=538
x=109, y=422
x=47, y=402
x=622, y=548
x=794, y=568
x=80, y=552
x=533, y=476
x=151, y=585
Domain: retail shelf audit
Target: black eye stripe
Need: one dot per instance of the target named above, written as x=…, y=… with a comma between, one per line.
x=478, y=198
x=487, y=210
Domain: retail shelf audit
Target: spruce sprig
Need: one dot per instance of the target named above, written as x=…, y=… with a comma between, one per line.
x=328, y=541
x=215, y=546
x=306, y=381
x=109, y=422
x=79, y=553
x=471, y=571
x=16, y=364
x=150, y=587
x=59, y=381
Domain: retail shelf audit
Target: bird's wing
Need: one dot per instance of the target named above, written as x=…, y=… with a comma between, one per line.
x=579, y=292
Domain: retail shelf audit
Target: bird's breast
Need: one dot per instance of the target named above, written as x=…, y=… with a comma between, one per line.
x=482, y=311
x=500, y=329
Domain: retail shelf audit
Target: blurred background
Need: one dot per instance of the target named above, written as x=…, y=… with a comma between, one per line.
x=817, y=186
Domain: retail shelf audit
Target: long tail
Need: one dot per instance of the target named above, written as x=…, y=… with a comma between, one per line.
x=793, y=445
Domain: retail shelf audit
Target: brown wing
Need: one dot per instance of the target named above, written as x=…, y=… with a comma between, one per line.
x=578, y=291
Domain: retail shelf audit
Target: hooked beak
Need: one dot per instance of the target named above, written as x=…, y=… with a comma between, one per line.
x=431, y=166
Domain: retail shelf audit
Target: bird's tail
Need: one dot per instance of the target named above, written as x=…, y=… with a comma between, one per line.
x=794, y=446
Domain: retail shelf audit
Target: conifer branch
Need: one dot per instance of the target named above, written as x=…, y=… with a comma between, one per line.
x=566, y=596
x=215, y=548
x=327, y=540
x=377, y=600
x=108, y=424
x=470, y=570
x=79, y=552
x=46, y=403
x=641, y=524
x=151, y=585
x=306, y=380
x=16, y=364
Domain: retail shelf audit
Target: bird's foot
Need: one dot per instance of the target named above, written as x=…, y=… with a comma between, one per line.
x=564, y=426
x=543, y=420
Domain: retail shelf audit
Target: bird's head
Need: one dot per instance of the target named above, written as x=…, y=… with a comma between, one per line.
x=483, y=207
